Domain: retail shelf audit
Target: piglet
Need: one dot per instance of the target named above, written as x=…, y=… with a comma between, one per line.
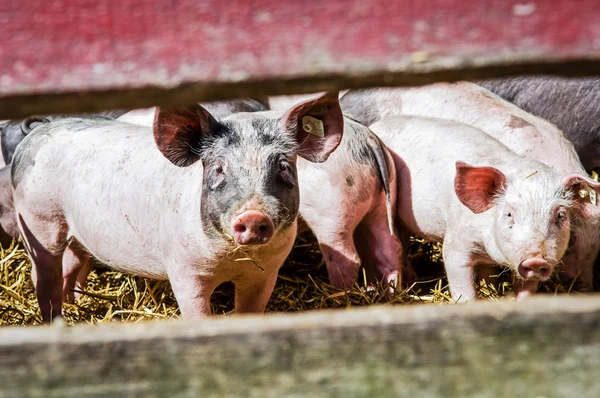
x=487, y=204
x=347, y=201
x=522, y=132
x=194, y=200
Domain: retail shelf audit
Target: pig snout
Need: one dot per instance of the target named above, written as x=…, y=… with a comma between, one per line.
x=252, y=228
x=535, y=268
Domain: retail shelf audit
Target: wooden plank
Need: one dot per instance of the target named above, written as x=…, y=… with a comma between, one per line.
x=542, y=347
x=83, y=55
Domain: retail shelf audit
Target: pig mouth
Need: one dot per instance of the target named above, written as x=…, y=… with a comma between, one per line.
x=535, y=268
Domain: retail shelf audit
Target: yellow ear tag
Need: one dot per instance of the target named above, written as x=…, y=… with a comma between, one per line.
x=313, y=126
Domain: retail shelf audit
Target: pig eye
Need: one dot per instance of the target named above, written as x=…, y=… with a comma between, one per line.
x=561, y=215
x=216, y=178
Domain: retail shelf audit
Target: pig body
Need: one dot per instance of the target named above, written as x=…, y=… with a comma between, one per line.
x=218, y=204
x=523, y=133
x=347, y=201
x=12, y=132
x=572, y=104
x=488, y=205
x=8, y=221
x=348, y=204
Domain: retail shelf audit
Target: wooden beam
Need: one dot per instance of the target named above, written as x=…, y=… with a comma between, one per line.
x=82, y=55
x=542, y=347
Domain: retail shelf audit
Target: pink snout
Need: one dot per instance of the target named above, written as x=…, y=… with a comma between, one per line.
x=535, y=268
x=252, y=228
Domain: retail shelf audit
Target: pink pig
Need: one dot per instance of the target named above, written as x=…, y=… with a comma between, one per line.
x=521, y=132
x=193, y=199
x=487, y=204
x=348, y=201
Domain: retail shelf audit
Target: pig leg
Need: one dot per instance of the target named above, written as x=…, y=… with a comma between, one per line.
x=73, y=261
x=335, y=235
x=192, y=292
x=379, y=247
x=409, y=275
x=460, y=272
x=82, y=277
x=253, y=297
x=525, y=288
x=342, y=261
x=47, y=274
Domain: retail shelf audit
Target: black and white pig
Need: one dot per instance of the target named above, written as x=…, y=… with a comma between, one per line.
x=347, y=201
x=194, y=200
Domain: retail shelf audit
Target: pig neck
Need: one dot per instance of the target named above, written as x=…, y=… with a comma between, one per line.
x=489, y=252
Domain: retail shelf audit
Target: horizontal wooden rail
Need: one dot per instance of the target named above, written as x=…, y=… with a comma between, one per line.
x=542, y=347
x=82, y=55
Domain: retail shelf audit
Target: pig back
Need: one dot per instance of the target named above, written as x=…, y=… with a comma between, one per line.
x=111, y=186
x=470, y=104
x=572, y=104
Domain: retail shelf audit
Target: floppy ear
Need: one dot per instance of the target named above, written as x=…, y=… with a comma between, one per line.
x=178, y=132
x=317, y=125
x=580, y=185
x=476, y=187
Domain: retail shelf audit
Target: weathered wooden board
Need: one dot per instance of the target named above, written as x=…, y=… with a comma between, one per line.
x=546, y=347
x=83, y=55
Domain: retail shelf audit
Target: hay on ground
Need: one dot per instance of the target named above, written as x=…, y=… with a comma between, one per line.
x=302, y=285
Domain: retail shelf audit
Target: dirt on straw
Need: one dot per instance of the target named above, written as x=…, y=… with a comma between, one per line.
x=302, y=285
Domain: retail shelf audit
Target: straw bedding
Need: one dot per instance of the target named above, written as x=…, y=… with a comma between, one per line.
x=302, y=285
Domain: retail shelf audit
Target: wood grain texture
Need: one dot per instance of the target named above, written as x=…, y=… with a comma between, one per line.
x=83, y=55
x=542, y=347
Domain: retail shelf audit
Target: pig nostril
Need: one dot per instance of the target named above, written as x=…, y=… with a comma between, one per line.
x=239, y=228
x=262, y=228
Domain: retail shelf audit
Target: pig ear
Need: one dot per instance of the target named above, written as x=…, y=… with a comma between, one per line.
x=179, y=131
x=586, y=194
x=477, y=187
x=317, y=125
